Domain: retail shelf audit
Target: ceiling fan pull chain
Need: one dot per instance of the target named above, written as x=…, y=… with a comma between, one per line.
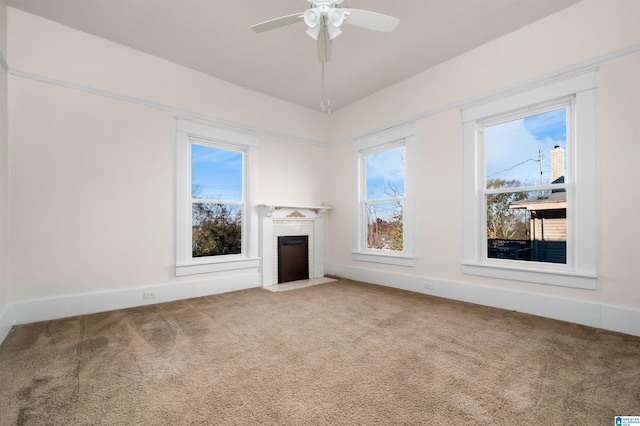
x=324, y=93
x=322, y=90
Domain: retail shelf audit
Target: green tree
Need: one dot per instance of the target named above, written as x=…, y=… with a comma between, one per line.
x=387, y=233
x=216, y=230
x=502, y=221
x=216, y=227
x=396, y=228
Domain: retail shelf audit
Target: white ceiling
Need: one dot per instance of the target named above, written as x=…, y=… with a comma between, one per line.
x=213, y=36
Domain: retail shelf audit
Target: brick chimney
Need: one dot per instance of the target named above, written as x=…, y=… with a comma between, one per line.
x=557, y=164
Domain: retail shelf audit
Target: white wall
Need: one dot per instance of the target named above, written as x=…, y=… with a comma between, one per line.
x=5, y=321
x=92, y=140
x=92, y=172
x=590, y=30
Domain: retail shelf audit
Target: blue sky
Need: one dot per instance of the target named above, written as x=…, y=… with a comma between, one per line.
x=384, y=169
x=512, y=147
x=216, y=173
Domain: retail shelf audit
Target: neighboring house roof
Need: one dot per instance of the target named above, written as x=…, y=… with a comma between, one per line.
x=553, y=201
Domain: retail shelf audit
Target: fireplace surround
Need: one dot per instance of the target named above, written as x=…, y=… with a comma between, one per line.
x=291, y=220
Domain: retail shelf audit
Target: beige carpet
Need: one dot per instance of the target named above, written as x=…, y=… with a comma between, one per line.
x=341, y=353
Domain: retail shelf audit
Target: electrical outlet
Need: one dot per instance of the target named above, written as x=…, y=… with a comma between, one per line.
x=148, y=294
x=428, y=285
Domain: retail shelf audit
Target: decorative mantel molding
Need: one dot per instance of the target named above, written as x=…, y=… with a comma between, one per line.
x=293, y=211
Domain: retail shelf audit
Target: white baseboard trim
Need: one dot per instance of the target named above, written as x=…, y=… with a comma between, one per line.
x=6, y=322
x=609, y=317
x=618, y=318
x=34, y=310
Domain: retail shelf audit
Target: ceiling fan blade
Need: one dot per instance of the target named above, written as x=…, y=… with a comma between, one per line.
x=272, y=24
x=324, y=46
x=370, y=20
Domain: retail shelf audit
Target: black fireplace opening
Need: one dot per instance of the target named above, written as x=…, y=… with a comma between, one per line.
x=293, y=258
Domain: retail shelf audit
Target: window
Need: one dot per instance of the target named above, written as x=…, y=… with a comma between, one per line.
x=530, y=185
x=525, y=190
x=383, y=204
x=216, y=222
x=217, y=200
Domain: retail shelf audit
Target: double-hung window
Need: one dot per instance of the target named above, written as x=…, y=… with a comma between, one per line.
x=529, y=164
x=383, y=201
x=216, y=223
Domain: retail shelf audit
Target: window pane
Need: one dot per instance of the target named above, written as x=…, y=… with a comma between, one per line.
x=527, y=226
x=385, y=174
x=216, y=173
x=385, y=226
x=527, y=151
x=216, y=229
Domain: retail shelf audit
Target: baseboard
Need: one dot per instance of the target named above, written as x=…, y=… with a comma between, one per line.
x=623, y=319
x=609, y=317
x=34, y=310
x=6, y=322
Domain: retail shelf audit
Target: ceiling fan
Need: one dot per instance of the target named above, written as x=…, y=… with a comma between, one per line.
x=324, y=19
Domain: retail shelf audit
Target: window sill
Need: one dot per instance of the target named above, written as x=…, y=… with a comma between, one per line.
x=217, y=266
x=549, y=277
x=388, y=259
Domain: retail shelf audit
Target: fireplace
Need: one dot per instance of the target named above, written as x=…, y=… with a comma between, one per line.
x=293, y=258
x=292, y=221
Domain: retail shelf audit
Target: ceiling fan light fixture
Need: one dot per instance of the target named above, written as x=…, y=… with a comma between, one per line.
x=333, y=31
x=312, y=17
x=314, y=32
x=336, y=17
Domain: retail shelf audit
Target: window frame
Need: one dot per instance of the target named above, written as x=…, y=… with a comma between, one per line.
x=578, y=93
x=376, y=143
x=567, y=102
x=187, y=134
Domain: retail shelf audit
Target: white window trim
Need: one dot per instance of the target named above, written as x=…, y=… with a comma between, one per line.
x=188, y=132
x=580, y=270
x=397, y=136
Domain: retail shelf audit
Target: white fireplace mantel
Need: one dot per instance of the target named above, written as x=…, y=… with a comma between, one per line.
x=271, y=208
x=297, y=217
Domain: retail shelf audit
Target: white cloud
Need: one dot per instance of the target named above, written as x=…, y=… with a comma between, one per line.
x=387, y=165
x=512, y=152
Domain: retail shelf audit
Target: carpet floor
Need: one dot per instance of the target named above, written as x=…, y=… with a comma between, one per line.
x=341, y=353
